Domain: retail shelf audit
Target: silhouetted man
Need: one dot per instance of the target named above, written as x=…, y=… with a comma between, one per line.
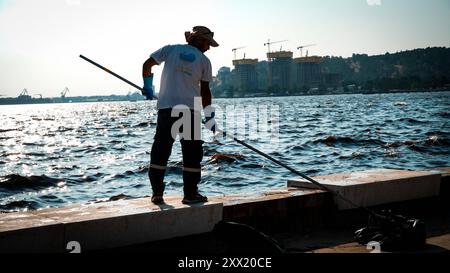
x=186, y=76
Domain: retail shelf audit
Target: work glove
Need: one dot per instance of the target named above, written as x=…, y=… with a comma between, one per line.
x=148, y=87
x=210, y=122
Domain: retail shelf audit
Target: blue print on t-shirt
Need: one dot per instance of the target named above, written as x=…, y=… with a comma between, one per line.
x=187, y=57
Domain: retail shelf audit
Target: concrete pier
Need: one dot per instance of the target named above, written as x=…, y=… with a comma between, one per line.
x=299, y=207
x=105, y=225
x=375, y=187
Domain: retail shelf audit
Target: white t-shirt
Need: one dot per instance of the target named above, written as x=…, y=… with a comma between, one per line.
x=185, y=66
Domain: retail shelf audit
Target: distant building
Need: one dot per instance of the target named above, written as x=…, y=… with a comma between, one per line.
x=332, y=80
x=222, y=85
x=280, y=69
x=308, y=72
x=223, y=74
x=246, y=79
x=279, y=75
x=262, y=71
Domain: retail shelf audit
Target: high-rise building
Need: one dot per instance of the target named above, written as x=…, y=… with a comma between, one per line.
x=262, y=72
x=280, y=69
x=246, y=79
x=332, y=80
x=308, y=72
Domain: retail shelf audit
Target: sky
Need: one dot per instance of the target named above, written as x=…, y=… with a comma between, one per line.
x=40, y=41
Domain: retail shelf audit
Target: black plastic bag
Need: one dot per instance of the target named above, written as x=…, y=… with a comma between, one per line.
x=393, y=232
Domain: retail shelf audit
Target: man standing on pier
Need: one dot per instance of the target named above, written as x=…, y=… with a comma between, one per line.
x=186, y=76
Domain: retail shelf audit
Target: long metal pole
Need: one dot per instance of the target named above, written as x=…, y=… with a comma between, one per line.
x=112, y=73
x=276, y=161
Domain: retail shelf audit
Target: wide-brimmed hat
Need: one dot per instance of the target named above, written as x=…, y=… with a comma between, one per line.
x=201, y=32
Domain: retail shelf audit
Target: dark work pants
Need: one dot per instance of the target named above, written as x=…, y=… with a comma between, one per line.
x=162, y=148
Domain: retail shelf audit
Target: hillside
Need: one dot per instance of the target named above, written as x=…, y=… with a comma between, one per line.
x=417, y=68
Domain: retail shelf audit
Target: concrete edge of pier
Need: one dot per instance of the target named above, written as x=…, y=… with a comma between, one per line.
x=299, y=207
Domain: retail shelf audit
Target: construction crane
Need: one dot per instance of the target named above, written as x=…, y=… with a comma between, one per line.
x=24, y=93
x=64, y=92
x=271, y=43
x=302, y=47
x=236, y=49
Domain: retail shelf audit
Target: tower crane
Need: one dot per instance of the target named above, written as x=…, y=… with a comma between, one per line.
x=236, y=49
x=271, y=43
x=302, y=47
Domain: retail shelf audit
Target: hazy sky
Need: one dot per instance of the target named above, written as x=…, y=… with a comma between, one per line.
x=40, y=41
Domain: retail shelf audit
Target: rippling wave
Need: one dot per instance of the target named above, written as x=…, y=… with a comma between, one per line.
x=58, y=154
x=18, y=182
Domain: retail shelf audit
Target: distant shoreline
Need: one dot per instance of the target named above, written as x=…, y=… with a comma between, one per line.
x=340, y=93
x=116, y=98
